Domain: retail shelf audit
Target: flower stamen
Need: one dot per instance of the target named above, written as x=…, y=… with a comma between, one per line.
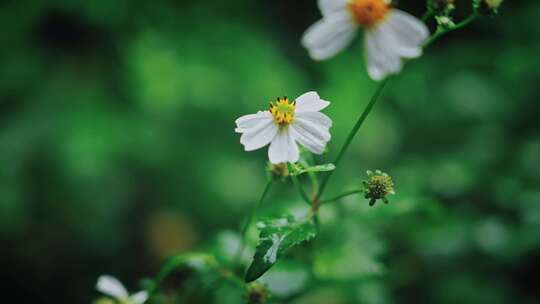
x=283, y=111
x=368, y=12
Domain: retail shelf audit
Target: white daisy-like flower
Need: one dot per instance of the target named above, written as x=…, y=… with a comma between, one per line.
x=284, y=125
x=113, y=288
x=390, y=34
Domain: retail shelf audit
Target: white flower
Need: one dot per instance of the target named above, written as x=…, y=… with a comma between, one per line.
x=110, y=286
x=390, y=34
x=285, y=124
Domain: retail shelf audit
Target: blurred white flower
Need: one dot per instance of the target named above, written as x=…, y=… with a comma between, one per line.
x=113, y=288
x=284, y=125
x=390, y=34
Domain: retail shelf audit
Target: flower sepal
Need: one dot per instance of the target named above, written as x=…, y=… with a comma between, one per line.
x=277, y=171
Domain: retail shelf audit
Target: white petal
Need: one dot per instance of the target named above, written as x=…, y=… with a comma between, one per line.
x=138, y=298
x=283, y=148
x=111, y=287
x=311, y=129
x=329, y=7
x=258, y=130
x=316, y=118
x=329, y=36
x=310, y=102
x=401, y=35
x=381, y=58
x=405, y=32
x=411, y=30
x=259, y=137
x=308, y=140
x=247, y=122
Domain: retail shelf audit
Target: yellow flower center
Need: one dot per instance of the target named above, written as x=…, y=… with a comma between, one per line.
x=282, y=110
x=368, y=12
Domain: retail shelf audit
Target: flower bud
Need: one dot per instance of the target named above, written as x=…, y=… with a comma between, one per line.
x=445, y=21
x=257, y=293
x=441, y=7
x=487, y=7
x=378, y=186
x=277, y=171
x=493, y=5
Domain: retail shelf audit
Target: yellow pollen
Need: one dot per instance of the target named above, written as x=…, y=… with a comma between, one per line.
x=282, y=110
x=368, y=12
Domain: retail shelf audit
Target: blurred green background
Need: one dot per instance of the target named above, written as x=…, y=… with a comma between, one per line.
x=117, y=151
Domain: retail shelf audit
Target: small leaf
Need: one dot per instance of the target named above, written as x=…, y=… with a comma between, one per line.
x=297, y=169
x=276, y=237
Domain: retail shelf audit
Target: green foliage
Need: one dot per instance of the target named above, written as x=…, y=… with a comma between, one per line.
x=277, y=236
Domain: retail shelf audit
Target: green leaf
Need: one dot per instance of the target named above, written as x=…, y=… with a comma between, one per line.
x=298, y=169
x=276, y=237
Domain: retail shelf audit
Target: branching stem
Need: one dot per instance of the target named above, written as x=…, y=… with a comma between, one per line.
x=345, y=194
x=351, y=135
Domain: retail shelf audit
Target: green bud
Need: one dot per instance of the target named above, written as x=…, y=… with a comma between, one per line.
x=493, y=4
x=445, y=21
x=487, y=7
x=378, y=186
x=441, y=7
x=277, y=171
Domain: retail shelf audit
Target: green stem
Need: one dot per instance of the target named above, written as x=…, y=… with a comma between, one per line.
x=352, y=134
x=312, y=177
x=301, y=190
x=248, y=222
x=374, y=99
x=442, y=32
x=341, y=196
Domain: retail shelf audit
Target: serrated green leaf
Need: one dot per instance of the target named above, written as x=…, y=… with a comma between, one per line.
x=276, y=237
x=297, y=169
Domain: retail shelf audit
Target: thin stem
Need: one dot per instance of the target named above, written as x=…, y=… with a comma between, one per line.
x=440, y=33
x=375, y=97
x=312, y=177
x=341, y=196
x=352, y=134
x=248, y=222
x=301, y=190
